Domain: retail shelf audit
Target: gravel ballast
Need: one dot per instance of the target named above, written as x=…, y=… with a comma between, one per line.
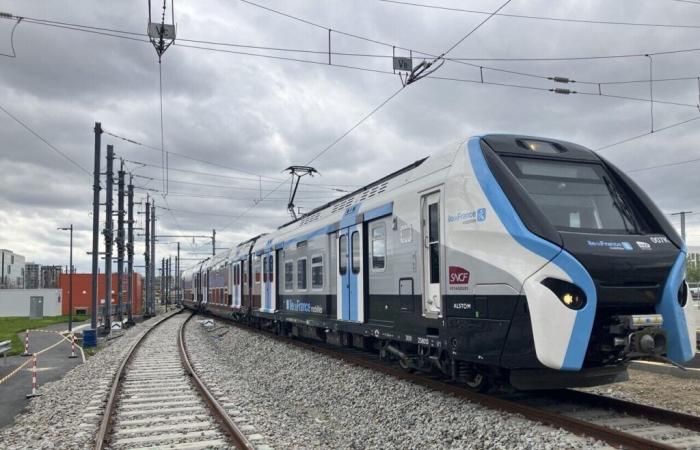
x=298, y=399
x=655, y=389
x=67, y=414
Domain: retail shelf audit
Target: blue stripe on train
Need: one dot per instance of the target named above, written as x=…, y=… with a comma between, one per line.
x=581, y=331
x=679, y=344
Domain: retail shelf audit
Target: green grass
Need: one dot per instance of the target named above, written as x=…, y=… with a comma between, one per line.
x=10, y=326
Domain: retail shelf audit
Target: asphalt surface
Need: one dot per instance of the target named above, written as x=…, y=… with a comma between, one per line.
x=51, y=366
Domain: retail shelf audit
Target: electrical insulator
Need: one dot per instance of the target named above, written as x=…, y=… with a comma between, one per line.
x=562, y=91
x=561, y=80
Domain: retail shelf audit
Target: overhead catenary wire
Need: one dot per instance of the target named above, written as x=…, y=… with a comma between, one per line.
x=229, y=197
x=470, y=81
x=211, y=213
x=462, y=60
x=480, y=81
x=546, y=18
x=78, y=27
x=48, y=144
x=191, y=158
x=12, y=38
x=648, y=133
x=660, y=166
x=365, y=117
x=43, y=22
x=233, y=187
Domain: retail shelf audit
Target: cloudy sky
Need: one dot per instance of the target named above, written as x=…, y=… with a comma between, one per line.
x=246, y=118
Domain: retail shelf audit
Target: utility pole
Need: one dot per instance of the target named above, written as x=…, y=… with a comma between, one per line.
x=170, y=279
x=109, y=236
x=147, y=261
x=120, y=240
x=70, y=279
x=213, y=242
x=130, y=252
x=162, y=278
x=682, y=214
x=177, y=272
x=95, y=223
x=167, y=281
x=153, y=257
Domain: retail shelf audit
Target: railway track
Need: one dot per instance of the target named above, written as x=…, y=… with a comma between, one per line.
x=158, y=401
x=618, y=423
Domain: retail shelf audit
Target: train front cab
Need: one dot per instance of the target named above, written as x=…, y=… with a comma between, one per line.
x=610, y=284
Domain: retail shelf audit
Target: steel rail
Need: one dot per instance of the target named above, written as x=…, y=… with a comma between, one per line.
x=576, y=426
x=106, y=423
x=652, y=413
x=217, y=411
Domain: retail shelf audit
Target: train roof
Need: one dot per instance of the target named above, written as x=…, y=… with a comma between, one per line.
x=516, y=144
x=352, y=194
x=501, y=143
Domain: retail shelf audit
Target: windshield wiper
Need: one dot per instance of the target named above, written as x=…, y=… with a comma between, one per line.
x=621, y=205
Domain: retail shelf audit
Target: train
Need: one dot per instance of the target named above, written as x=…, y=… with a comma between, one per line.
x=505, y=260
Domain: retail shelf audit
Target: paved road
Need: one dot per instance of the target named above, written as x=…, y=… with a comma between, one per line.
x=51, y=366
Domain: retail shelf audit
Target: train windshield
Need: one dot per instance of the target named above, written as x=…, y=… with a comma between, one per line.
x=576, y=196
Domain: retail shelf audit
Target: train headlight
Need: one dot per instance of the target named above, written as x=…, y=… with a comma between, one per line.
x=683, y=294
x=569, y=294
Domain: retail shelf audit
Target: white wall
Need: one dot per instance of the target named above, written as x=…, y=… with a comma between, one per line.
x=15, y=302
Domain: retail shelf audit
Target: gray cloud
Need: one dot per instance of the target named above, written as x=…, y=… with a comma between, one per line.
x=262, y=115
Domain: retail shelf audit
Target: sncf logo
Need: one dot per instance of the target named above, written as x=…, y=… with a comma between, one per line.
x=458, y=275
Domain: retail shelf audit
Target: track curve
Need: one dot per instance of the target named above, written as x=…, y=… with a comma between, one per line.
x=157, y=399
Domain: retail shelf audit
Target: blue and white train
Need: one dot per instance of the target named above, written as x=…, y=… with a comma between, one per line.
x=505, y=260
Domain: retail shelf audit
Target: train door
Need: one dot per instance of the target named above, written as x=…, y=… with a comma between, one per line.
x=269, y=291
x=349, y=270
x=256, y=269
x=245, y=293
x=431, y=232
x=197, y=288
x=237, y=285
x=205, y=287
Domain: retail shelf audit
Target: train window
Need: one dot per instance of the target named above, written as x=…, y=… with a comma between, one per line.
x=245, y=274
x=288, y=275
x=343, y=254
x=317, y=272
x=434, y=242
x=378, y=247
x=264, y=269
x=577, y=196
x=270, y=268
x=301, y=274
x=256, y=268
x=356, y=252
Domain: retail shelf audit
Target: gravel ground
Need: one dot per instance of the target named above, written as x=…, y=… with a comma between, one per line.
x=298, y=399
x=67, y=414
x=663, y=391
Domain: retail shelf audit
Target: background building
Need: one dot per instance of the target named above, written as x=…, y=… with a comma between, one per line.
x=693, y=261
x=82, y=292
x=32, y=275
x=11, y=270
x=50, y=276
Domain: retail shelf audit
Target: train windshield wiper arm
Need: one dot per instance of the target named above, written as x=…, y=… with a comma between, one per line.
x=620, y=205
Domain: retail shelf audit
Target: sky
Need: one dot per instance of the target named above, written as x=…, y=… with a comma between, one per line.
x=245, y=118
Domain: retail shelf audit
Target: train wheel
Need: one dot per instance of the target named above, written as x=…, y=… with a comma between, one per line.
x=406, y=365
x=477, y=382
